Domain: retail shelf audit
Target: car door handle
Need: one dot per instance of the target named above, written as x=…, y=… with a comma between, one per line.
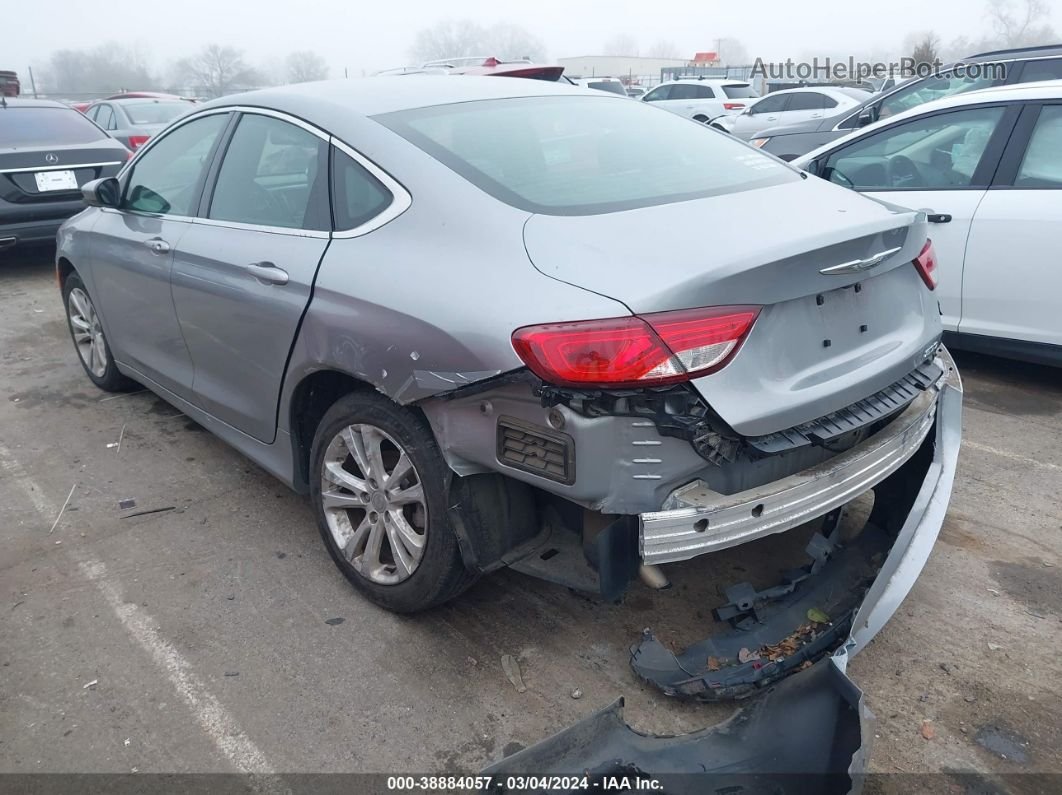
x=157, y=245
x=772, y=118
x=267, y=273
x=939, y=218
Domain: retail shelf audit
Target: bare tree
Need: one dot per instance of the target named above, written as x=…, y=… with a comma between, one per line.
x=733, y=53
x=217, y=70
x=924, y=48
x=1016, y=23
x=622, y=44
x=664, y=49
x=305, y=66
x=513, y=41
x=457, y=38
x=100, y=70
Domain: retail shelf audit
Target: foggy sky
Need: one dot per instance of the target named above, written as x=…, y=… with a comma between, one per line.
x=367, y=36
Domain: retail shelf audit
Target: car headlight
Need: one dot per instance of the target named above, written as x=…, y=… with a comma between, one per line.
x=759, y=142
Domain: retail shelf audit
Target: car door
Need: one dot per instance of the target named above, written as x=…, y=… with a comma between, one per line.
x=1012, y=281
x=243, y=272
x=805, y=106
x=942, y=162
x=132, y=251
x=762, y=114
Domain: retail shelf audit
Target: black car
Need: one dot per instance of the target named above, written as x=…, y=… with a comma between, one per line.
x=47, y=152
x=1002, y=67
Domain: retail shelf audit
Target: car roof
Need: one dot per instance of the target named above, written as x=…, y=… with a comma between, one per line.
x=20, y=102
x=835, y=90
x=371, y=96
x=1019, y=53
x=713, y=81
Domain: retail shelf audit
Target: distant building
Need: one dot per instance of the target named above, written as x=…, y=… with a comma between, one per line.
x=631, y=69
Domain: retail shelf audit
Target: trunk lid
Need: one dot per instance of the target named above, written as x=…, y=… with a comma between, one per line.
x=19, y=168
x=822, y=341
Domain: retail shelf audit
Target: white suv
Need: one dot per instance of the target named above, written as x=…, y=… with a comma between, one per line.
x=702, y=100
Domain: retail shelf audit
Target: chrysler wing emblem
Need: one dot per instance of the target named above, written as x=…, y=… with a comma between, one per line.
x=860, y=265
x=52, y=158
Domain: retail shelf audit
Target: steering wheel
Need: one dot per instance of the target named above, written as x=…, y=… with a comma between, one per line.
x=903, y=173
x=838, y=176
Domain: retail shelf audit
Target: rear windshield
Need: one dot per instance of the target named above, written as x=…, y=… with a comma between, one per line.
x=583, y=155
x=25, y=127
x=740, y=91
x=608, y=85
x=150, y=112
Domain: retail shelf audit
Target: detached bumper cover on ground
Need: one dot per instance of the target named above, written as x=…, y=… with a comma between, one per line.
x=807, y=719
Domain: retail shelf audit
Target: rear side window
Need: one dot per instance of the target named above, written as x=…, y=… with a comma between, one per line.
x=1041, y=166
x=807, y=100
x=583, y=155
x=690, y=91
x=740, y=91
x=358, y=195
x=166, y=178
x=25, y=127
x=105, y=118
x=273, y=174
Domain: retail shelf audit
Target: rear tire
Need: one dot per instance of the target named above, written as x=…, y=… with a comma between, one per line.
x=87, y=333
x=379, y=487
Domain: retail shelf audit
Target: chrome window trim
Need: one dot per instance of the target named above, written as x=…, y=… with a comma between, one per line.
x=400, y=202
x=400, y=198
x=69, y=167
x=273, y=230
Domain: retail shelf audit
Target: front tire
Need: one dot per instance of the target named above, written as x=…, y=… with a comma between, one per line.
x=87, y=333
x=379, y=487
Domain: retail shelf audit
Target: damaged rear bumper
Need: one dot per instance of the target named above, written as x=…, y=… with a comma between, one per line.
x=808, y=717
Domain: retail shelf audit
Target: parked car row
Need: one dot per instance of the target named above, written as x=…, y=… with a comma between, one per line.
x=1003, y=67
x=987, y=165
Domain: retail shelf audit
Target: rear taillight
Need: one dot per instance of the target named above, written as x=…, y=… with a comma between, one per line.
x=137, y=140
x=655, y=349
x=733, y=105
x=926, y=265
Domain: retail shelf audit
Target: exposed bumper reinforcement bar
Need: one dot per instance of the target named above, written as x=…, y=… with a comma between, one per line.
x=808, y=731
x=697, y=521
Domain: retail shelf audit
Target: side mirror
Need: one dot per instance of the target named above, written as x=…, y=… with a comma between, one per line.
x=104, y=192
x=867, y=115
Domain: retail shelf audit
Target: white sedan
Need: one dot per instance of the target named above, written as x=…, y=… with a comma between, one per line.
x=987, y=167
x=790, y=106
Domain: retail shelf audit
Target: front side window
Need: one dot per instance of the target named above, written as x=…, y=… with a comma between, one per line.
x=1041, y=167
x=690, y=91
x=583, y=155
x=771, y=104
x=166, y=178
x=658, y=93
x=934, y=152
x=274, y=174
x=931, y=88
x=1048, y=69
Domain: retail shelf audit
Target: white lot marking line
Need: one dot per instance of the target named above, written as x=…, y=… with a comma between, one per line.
x=984, y=448
x=61, y=510
x=212, y=717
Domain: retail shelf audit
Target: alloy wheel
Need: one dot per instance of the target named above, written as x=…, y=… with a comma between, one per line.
x=374, y=505
x=88, y=334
